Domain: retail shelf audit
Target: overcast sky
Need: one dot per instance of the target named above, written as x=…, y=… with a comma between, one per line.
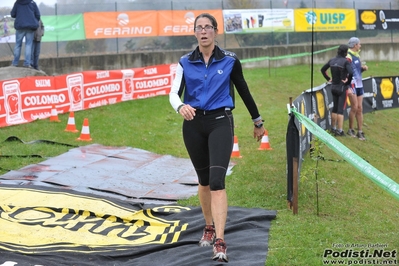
x=10, y=3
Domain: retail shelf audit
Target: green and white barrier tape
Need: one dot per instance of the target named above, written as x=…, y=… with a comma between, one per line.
x=364, y=167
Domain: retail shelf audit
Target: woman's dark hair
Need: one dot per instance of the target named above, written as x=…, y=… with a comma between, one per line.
x=208, y=16
x=343, y=50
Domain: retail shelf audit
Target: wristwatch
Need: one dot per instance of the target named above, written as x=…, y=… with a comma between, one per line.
x=259, y=125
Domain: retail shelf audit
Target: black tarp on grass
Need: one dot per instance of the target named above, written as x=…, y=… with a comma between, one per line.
x=49, y=226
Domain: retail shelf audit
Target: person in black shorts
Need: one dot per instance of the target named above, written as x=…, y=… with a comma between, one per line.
x=205, y=77
x=356, y=91
x=341, y=77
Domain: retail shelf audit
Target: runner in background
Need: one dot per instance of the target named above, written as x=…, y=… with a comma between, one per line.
x=355, y=93
x=341, y=76
x=5, y=27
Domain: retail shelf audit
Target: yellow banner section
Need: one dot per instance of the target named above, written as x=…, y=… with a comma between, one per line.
x=37, y=220
x=321, y=20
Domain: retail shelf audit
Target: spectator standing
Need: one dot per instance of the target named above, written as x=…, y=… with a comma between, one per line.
x=355, y=93
x=5, y=27
x=27, y=16
x=341, y=76
x=39, y=33
x=206, y=76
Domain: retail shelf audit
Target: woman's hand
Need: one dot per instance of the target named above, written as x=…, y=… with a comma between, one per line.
x=187, y=112
x=259, y=132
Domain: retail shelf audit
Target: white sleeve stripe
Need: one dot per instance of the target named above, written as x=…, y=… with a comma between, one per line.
x=174, y=98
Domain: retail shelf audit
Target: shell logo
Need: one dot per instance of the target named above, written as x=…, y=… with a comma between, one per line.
x=368, y=17
x=386, y=88
x=320, y=104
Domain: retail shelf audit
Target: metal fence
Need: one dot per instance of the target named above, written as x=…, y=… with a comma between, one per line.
x=148, y=44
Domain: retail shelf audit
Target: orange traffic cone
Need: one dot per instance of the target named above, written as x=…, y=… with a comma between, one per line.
x=71, y=123
x=236, y=151
x=265, y=145
x=54, y=114
x=85, y=134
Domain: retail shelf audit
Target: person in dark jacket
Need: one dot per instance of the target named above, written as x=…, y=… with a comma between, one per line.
x=27, y=16
x=207, y=76
x=341, y=72
x=36, y=45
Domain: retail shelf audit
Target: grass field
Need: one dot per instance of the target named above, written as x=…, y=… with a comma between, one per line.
x=338, y=206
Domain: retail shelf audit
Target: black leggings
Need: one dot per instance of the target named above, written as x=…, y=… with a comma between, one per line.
x=339, y=102
x=209, y=142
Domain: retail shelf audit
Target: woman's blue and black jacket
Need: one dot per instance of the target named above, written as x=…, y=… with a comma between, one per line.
x=211, y=86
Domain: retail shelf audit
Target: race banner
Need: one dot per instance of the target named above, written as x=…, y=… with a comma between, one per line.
x=63, y=28
x=321, y=103
x=385, y=92
x=378, y=19
x=302, y=103
x=324, y=20
x=370, y=91
x=27, y=99
x=102, y=25
x=181, y=22
x=258, y=20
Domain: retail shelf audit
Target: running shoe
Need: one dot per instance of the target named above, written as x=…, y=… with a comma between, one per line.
x=208, y=236
x=360, y=135
x=339, y=133
x=220, y=251
x=351, y=133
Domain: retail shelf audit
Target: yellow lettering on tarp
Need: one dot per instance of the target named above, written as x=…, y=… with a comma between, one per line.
x=66, y=221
